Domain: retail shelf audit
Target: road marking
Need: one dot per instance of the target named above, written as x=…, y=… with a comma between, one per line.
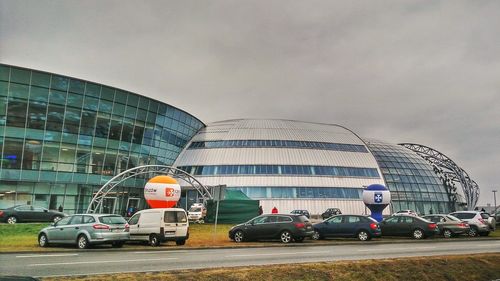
x=486, y=246
x=91, y=262
x=278, y=254
x=392, y=249
x=161, y=252
x=47, y=255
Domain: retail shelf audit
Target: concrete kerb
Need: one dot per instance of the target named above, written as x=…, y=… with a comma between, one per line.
x=271, y=245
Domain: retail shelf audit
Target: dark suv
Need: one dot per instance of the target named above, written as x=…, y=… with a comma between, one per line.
x=301, y=212
x=330, y=212
x=285, y=227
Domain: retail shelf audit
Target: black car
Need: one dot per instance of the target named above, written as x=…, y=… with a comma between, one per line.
x=285, y=227
x=362, y=227
x=28, y=213
x=406, y=225
x=301, y=212
x=330, y=212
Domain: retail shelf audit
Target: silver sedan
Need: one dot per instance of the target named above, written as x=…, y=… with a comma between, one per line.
x=84, y=230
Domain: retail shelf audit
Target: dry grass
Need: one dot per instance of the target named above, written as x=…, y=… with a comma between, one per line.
x=462, y=267
x=23, y=237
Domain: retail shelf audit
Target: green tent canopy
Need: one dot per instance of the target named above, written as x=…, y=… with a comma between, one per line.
x=235, y=208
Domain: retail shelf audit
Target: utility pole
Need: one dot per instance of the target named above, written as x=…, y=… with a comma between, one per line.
x=494, y=202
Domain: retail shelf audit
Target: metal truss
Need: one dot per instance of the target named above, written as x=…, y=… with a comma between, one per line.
x=450, y=173
x=146, y=171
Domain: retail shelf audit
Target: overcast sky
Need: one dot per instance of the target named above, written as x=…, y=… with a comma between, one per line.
x=426, y=72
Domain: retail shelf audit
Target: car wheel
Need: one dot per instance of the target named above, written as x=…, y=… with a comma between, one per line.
x=82, y=242
x=42, y=240
x=153, y=240
x=418, y=233
x=299, y=239
x=56, y=218
x=239, y=236
x=11, y=220
x=286, y=237
x=447, y=233
x=316, y=235
x=363, y=236
x=180, y=242
x=473, y=231
x=117, y=244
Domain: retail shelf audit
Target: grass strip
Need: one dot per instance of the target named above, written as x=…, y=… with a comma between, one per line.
x=23, y=237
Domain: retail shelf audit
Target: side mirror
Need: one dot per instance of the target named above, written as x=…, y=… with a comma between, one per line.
x=53, y=224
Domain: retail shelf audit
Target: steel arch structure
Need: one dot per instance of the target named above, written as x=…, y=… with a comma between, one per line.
x=451, y=173
x=96, y=202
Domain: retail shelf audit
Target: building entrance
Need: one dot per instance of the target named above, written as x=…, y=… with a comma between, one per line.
x=108, y=205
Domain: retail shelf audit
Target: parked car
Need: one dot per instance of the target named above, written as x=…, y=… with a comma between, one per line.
x=285, y=227
x=408, y=225
x=160, y=225
x=478, y=222
x=197, y=212
x=330, y=212
x=362, y=227
x=29, y=213
x=449, y=225
x=406, y=212
x=85, y=230
x=301, y=212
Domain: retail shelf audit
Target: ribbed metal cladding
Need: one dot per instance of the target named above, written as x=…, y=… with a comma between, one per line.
x=266, y=129
x=243, y=129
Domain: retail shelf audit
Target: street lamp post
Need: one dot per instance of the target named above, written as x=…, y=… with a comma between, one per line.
x=494, y=201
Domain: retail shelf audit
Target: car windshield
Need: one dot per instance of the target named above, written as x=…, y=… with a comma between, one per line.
x=452, y=218
x=195, y=209
x=112, y=220
x=484, y=215
x=303, y=219
x=425, y=219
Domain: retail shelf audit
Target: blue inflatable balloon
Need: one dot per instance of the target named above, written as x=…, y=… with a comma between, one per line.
x=376, y=197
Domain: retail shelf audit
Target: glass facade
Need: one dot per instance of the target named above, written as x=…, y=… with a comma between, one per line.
x=280, y=192
x=61, y=138
x=411, y=180
x=303, y=170
x=278, y=144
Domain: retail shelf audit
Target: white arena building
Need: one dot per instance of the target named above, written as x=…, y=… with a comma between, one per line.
x=301, y=165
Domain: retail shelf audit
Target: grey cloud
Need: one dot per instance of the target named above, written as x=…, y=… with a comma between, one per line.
x=403, y=71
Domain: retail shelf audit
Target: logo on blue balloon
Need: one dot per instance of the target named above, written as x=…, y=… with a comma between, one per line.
x=377, y=197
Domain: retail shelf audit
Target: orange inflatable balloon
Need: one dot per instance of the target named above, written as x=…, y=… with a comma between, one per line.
x=162, y=192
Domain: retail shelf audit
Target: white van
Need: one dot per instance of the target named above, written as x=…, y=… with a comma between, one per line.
x=197, y=212
x=160, y=225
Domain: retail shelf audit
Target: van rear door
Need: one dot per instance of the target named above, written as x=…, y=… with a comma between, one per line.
x=182, y=224
x=170, y=224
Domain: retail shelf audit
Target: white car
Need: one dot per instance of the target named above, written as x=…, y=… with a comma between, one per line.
x=406, y=212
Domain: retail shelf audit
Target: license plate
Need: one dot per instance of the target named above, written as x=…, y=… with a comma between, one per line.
x=169, y=233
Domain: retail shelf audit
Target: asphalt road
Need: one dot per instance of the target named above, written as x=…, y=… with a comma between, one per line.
x=101, y=261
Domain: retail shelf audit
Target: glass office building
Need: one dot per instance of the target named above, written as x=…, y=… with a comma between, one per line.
x=61, y=138
x=411, y=179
